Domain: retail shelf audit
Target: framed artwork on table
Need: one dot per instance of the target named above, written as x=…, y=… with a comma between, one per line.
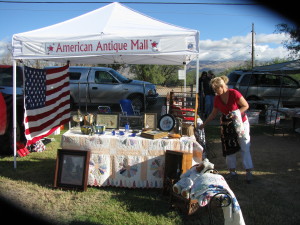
x=72, y=168
x=150, y=121
x=135, y=122
x=166, y=122
x=111, y=121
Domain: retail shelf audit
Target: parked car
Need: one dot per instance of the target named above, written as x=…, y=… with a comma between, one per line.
x=102, y=85
x=6, y=88
x=266, y=86
x=6, y=79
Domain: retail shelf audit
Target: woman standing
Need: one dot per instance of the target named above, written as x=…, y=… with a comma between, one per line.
x=226, y=101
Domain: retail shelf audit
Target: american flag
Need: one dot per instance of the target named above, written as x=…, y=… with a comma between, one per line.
x=47, y=101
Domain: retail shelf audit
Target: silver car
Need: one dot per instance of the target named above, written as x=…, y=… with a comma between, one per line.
x=266, y=86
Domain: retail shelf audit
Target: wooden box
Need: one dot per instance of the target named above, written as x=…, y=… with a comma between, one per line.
x=153, y=134
x=176, y=163
x=184, y=205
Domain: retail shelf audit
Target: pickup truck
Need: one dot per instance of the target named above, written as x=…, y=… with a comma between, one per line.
x=102, y=85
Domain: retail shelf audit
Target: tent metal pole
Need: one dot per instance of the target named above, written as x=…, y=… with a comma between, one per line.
x=197, y=74
x=278, y=102
x=184, y=68
x=15, y=111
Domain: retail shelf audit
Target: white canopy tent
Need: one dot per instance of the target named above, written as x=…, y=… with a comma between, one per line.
x=113, y=34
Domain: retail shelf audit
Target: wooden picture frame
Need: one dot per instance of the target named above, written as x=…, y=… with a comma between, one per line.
x=135, y=122
x=111, y=121
x=71, y=171
x=150, y=121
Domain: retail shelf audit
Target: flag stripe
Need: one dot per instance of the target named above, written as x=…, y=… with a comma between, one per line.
x=47, y=101
x=46, y=114
x=51, y=103
x=35, y=139
x=57, y=89
x=58, y=70
x=47, y=124
x=45, y=128
x=55, y=80
x=55, y=100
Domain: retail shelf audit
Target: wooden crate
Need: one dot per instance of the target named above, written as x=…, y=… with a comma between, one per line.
x=185, y=206
x=176, y=163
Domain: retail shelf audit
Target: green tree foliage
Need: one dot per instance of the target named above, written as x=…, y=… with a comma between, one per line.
x=157, y=74
x=294, y=43
x=113, y=66
x=191, y=77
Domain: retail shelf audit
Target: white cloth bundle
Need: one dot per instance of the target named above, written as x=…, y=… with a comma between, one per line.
x=238, y=123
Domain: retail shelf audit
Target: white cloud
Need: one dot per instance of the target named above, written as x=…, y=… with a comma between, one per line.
x=271, y=38
x=267, y=47
x=4, y=46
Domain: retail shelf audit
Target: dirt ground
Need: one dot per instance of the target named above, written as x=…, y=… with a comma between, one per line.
x=273, y=196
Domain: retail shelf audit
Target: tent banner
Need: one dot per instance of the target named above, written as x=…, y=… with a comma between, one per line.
x=113, y=46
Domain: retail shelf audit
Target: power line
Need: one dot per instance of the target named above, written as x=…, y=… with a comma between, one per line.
x=156, y=3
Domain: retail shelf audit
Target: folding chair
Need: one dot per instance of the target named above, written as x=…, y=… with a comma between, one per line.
x=127, y=108
x=104, y=109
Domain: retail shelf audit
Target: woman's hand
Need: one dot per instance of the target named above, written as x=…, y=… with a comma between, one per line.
x=210, y=117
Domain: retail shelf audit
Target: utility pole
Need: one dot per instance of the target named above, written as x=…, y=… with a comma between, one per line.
x=252, y=52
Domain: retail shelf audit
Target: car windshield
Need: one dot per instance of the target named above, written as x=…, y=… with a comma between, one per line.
x=233, y=78
x=119, y=76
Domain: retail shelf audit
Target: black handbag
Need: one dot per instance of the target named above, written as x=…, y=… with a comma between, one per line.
x=229, y=137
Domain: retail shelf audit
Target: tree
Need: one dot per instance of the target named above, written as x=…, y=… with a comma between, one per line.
x=157, y=74
x=294, y=43
x=113, y=66
x=7, y=55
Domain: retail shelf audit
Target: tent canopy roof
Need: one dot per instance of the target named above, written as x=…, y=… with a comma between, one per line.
x=111, y=34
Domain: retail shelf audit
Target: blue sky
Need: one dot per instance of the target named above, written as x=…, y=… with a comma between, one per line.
x=225, y=30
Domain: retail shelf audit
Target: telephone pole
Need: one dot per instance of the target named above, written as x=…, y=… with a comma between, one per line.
x=252, y=52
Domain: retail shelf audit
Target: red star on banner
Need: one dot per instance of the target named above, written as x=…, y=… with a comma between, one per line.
x=50, y=48
x=154, y=44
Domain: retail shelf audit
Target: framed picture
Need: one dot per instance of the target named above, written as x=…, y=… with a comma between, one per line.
x=135, y=122
x=111, y=121
x=72, y=168
x=166, y=122
x=150, y=121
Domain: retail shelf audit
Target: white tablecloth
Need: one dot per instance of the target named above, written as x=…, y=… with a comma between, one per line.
x=125, y=161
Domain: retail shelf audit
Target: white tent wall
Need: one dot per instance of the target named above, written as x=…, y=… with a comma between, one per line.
x=113, y=34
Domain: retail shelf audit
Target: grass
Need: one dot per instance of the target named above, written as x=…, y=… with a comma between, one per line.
x=271, y=199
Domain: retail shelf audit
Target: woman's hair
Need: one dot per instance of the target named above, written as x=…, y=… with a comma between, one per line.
x=219, y=81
